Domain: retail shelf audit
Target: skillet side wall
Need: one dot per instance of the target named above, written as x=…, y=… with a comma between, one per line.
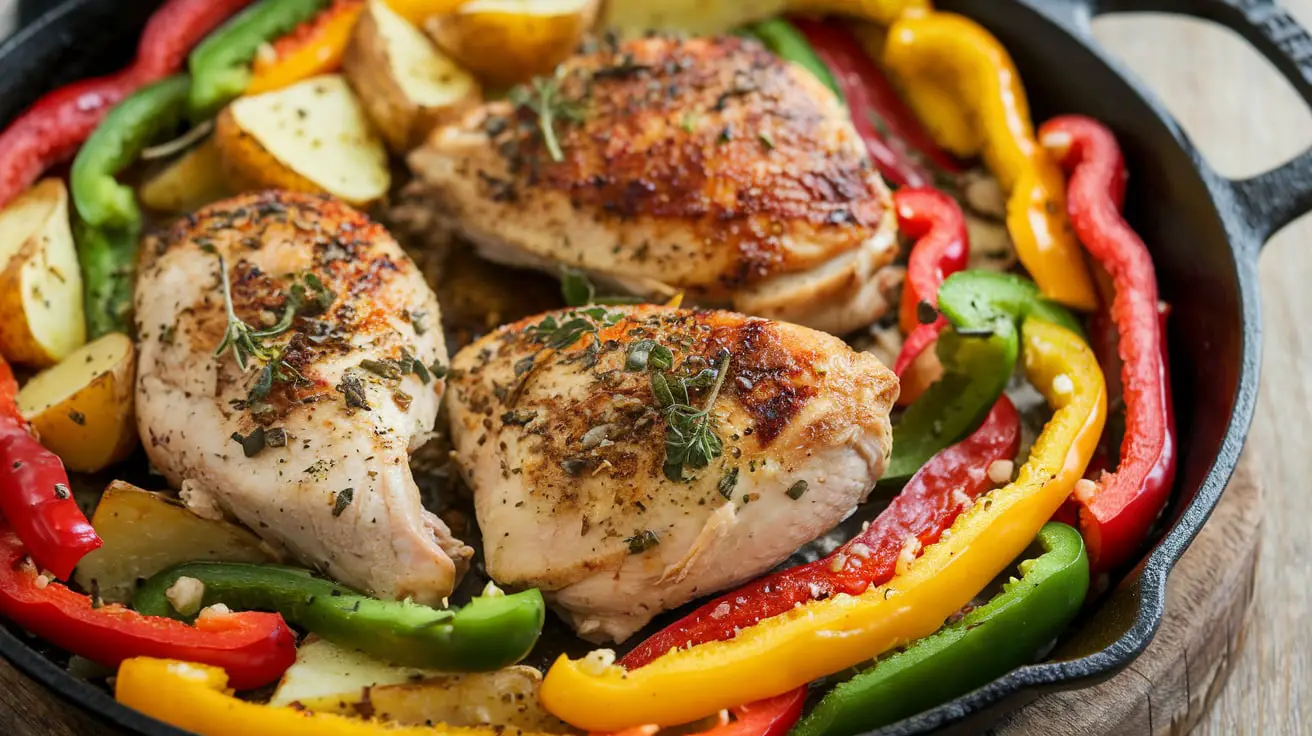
x=1169, y=202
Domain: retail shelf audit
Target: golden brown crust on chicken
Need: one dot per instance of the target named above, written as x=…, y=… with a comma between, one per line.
x=707, y=165
x=565, y=444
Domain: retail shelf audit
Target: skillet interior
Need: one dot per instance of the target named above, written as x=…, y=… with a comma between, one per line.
x=1184, y=212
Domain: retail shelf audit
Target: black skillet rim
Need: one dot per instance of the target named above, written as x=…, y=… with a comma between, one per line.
x=1036, y=678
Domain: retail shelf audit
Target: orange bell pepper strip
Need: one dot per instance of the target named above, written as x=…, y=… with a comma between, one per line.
x=824, y=637
x=417, y=11
x=883, y=12
x=315, y=47
x=965, y=87
x=196, y=698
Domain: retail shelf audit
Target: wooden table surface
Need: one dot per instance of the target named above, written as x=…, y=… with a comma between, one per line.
x=1245, y=119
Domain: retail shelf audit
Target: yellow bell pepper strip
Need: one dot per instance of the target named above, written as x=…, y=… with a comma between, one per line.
x=965, y=87
x=883, y=12
x=312, y=48
x=196, y=698
x=823, y=637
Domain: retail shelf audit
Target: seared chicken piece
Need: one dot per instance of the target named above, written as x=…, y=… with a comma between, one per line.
x=571, y=446
x=707, y=165
x=353, y=392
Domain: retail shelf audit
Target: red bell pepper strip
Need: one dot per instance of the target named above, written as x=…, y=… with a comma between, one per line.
x=927, y=505
x=254, y=648
x=1117, y=515
x=770, y=717
x=900, y=146
x=941, y=249
x=174, y=30
x=52, y=129
x=34, y=494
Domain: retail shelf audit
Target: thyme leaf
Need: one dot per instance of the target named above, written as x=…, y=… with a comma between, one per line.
x=542, y=97
x=247, y=343
x=690, y=438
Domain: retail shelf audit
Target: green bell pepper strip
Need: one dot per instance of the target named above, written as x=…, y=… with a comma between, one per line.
x=491, y=632
x=1011, y=630
x=978, y=351
x=221, y=64
x=132, y=125
x=108, y=220
x=790, y=44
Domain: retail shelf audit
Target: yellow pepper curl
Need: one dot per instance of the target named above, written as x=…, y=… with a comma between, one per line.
x=883, y=12
x=195, y=697
x=964, y=86
x=824, y=637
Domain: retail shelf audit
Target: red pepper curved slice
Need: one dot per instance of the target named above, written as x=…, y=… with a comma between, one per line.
x=927, y=505
x=54, y=127
x=900, y=146
x=942, y=248
x=34, y=493
x=254, y=648
x=1118, y=515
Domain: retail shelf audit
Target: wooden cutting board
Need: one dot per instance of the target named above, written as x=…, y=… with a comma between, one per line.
x=1166, y=691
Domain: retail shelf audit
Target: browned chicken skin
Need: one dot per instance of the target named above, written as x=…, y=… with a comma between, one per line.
x=705, y=165
x=565, y=450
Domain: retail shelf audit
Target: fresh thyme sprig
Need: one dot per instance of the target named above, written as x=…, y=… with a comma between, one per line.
x=247, y=343
x=543, y=98
x=690, y=438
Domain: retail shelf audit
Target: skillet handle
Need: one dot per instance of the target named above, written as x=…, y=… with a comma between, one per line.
x=1277, y=197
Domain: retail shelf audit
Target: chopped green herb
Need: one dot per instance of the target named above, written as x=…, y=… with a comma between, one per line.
x=642, y=541
x=275, y=437
x=542, y=98
x=381, y=368
x=690, y=439
x=727, y=482
x=253, y=443
x=342, y=500
x=767, y=141
x=645, y=354
x=797, y=490
x=576, y=288
x=352, y=388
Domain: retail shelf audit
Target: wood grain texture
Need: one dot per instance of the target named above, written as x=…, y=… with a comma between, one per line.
x=1246, y=120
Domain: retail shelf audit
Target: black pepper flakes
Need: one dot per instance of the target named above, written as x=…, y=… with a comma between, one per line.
x=77, y=417
x=62, y=493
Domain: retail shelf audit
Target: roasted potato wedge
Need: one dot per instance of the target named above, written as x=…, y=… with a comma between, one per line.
x=41, y=318
x=310, y=137
x=505, y=42
x=632, y=18
x=188, y=183
x=406, y=85
x=82, y=408
x=145, y=533
x=331, y=679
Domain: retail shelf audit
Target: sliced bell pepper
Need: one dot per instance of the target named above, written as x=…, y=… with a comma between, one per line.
x=819, y=638
x=221, y=65
x=35, y=500
x=1116, y=518
x=196, y=698
x=109, y=220
x=900, y=146
x=770, y=717
x=493, y=631
x=254, y=648
x=883, y=12
x=1012, y=629
x=788, y=43
x=929, y=503
x=965, y=87
x=941, y=249
x=52, y=129
x=312, y=48
x=418, y=11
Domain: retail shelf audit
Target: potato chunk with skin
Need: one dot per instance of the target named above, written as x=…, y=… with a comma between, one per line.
x=83, y=407
x=310, y=137
x=145, y=533
x=407, y=86
x=40, y=279
x=506, y=42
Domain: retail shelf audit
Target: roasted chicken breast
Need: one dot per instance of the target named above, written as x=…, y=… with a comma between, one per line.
x=309, y=446
x=707, y=166
x=628, y=460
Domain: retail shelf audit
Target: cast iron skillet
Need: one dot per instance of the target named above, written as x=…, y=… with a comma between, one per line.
x=1205, y=232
